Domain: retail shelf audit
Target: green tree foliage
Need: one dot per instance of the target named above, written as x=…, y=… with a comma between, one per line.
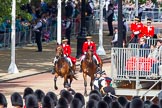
x=6, y=8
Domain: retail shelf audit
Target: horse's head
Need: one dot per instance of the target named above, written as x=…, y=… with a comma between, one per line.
x=59, y=52
x=89, y=55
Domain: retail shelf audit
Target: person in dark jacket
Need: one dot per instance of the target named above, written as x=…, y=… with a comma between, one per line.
x=68, y=29
x=145, y=46
x=38, y=29
x=109, y=16
x=68, y=9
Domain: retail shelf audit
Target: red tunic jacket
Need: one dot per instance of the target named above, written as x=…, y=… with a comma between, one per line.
x=67, y=52
x=148, y=31
x=137, y=28
x=92, y=45
x=87, y=45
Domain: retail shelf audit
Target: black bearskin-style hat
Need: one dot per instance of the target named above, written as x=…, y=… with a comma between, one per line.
x=154, y=106
x=134, y=97
x=160, y=103
x=107, y=99
x=76, y=103
x=16, y=99
x=31, y=101
x=53, y=97
x=91, y=103
x=65, y=94
x=115, y=104
x=39, y=94
x=62, y=103
x=122, y=100
x=102, y=104
x=95, y=92
x=95, y=97
x=147, y=104
x=136, y=103
x=127, y=105
x=80, y=97
x=47, y=102
x=3, y=100
x=27, y=91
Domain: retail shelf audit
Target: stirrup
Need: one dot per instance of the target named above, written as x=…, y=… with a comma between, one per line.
x=80, y=68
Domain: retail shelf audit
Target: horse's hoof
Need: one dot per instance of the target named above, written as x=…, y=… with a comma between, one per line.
x=56, y=88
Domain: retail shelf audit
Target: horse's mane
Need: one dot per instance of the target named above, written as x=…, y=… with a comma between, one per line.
x=87, y=55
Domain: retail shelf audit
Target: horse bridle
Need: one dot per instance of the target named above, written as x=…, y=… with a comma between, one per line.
x=90, y=56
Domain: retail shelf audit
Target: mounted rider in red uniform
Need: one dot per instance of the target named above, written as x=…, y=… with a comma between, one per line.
x=90, y=44
x=67, y=55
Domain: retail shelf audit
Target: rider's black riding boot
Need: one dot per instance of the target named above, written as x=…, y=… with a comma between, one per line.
x=80, y=67
x=71, y=71
x=53, y=70
x=98, y=67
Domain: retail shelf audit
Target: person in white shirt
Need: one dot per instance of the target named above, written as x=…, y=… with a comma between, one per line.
x=115, y=38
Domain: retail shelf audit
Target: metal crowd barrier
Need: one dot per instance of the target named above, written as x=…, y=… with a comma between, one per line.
x=49, y=33
x=155, y=14
x=22, y=38
x=132, y=62
x=25, y=37
x=150, y=42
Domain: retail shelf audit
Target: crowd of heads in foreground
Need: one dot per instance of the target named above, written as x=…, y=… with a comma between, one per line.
x=38, y=99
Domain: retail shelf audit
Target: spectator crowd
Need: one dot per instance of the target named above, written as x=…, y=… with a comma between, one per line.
x=40, y=99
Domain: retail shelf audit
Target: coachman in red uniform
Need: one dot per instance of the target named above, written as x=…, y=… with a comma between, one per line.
x=148, y=29
x=137, y=30
x=90, y=44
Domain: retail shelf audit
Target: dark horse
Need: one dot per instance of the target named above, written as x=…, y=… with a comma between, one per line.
x=89, y=67
x=62, y=68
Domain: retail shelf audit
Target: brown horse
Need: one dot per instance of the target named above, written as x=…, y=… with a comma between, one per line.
x=89, y=67
x=62, y=68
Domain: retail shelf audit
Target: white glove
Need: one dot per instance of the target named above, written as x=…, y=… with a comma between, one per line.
x=85, y=52
x=148, y=37
x=136, y=32
x=64, y=55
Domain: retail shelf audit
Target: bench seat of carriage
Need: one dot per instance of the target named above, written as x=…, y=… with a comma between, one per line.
x=139, y=64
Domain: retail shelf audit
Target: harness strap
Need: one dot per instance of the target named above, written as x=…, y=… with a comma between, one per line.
x=102, y=91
